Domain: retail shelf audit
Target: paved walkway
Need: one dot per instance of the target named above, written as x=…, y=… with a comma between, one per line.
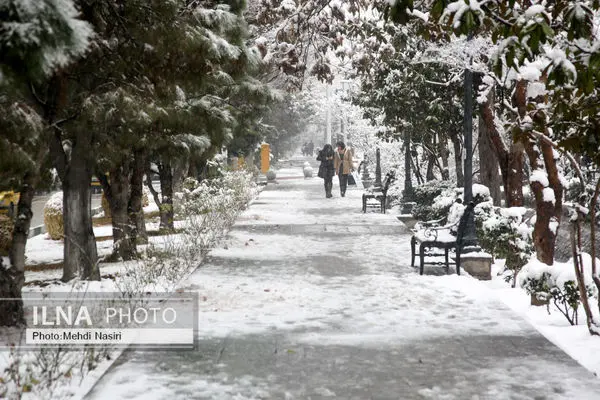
x=311, y=299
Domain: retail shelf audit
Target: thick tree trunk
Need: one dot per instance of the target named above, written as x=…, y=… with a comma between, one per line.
x=123, y=242
x=80, y=254
x=510, y=159
x=165, y=173
x=548, y=198
x=12, y=277
x=136, y=209
x=488, y=164
x=11, y=282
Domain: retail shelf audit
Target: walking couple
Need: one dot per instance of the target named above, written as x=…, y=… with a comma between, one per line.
x=335, y=163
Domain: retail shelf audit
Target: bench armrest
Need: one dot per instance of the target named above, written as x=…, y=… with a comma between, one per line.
x=434, y=223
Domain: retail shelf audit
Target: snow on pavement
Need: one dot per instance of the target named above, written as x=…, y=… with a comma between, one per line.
x=309, y=298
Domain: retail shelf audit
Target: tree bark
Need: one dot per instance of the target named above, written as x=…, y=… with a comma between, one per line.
x=417, y=170
x=488, y=164
x=165, y=173
x=431, y=158
x=460, y=177
x=12, y=277
x=124, y=247
x=444, y=154
x=578, y=265
x=11, y=282
x=80, y=254
x=135, y=208
x=541, y=157
x=509, y=158
x=515, y=171
x=180, y=171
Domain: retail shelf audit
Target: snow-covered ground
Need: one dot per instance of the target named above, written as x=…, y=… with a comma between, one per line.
x=574, y=340
x=310, y=298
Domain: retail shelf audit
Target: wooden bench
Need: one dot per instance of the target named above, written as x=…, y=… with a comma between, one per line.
x=378, y=193
x=441, y=237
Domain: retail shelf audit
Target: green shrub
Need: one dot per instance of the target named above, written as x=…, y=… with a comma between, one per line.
x=556, y=283
x=503, y=233
x=424, y=196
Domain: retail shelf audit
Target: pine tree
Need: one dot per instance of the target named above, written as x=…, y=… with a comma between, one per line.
x=36, y=39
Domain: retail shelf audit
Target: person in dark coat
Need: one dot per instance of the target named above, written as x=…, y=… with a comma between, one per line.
x=326, y=169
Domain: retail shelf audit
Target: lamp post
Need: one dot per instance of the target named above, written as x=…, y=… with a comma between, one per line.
x=470, y=236
x=377, y=183
x=328, y=118
x=407, y=194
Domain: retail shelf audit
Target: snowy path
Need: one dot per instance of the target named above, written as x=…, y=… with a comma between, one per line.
x=311, y=299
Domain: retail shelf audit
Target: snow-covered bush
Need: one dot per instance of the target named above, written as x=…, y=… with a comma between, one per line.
x=435, y=198
x=53, y=216
x=558, y=283
x=425, y=195
x=504, y=233
x=47, y=373
x=190, y=184
x=212, y=207
x=145, y=196
x=6, y=228
x=207, y=212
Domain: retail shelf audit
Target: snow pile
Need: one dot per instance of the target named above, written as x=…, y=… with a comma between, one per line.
x=481, y=191
x=558, y=282
x=557, y=274
x=53, y=216
x=308, y=171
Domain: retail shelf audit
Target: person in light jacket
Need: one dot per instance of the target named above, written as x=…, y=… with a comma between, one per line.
x=343, y=165
x=326, y=170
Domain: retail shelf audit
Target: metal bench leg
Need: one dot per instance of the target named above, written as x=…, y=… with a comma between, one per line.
x=412, y=251
x=422, y=258
x=457, y=261
x=383, y=204
x=364, y=203
x=446, y=259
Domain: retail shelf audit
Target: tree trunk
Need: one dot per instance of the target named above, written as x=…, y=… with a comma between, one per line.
x=123, y=242
x=579, y=267
x=12, y=277
x=514, y=182
x=408, y=193
x=444, y=154
x=541, y=157
x=11, y=282
x=431, y=157
x=488, y=164
x=135, y=208
x=429, y=175
x=180, y=172
x=165, y=173
x=80, y=254
x=510, y=159
x=460, y=177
